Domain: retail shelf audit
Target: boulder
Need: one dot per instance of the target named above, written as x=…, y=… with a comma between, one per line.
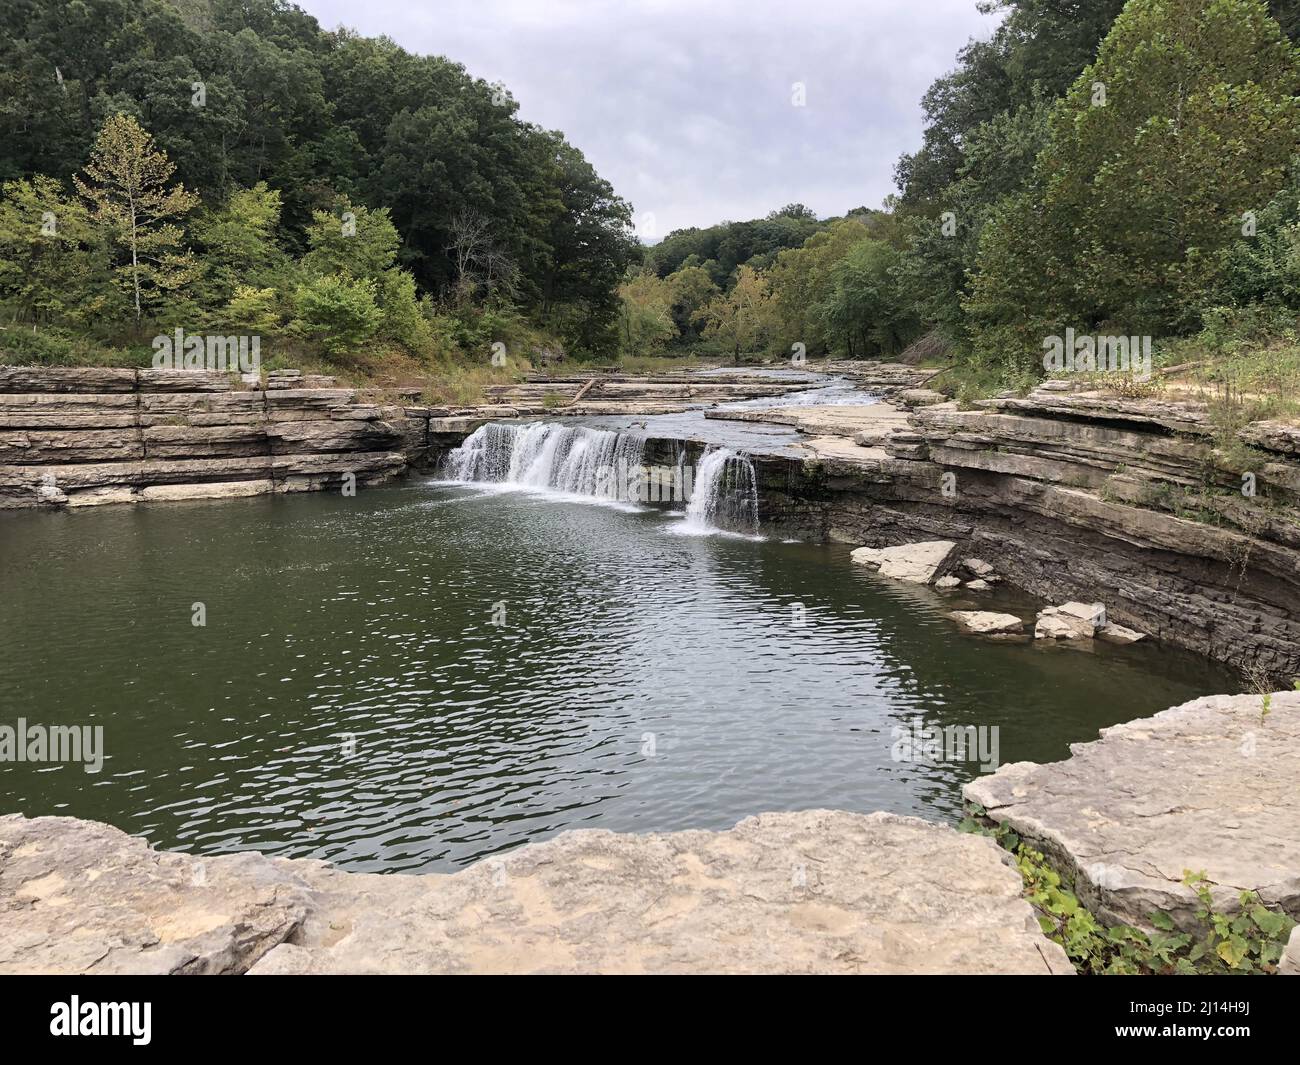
x=988, y=622
x=1119, y=634
x=1070, y=621
x=915, y=563
x=978, y=585
x=948, y=582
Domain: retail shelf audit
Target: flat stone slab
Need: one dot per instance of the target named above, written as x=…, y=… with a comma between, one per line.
x=988, y=621
x=915, y=563
x=808, y=892
x=83, y=897
x=1211, y=786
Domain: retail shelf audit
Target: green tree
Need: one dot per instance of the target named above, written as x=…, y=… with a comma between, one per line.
x=50, y=267
x=590, y=248
x=351, y=239
x=865, y=310
x=1262, y=266
x=802, y=280
x=743, y=319
x=253, y=309
x=1134, y=199
x=689, y=289
x=238, y=243
x=338, y=312
x=130, y=201
x=645, y=316
x=942, y=242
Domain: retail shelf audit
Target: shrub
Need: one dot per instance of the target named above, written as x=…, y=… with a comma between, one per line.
x=337, y=312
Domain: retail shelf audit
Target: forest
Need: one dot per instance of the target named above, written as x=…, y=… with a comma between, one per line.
x=1095, y=166
x=229, y=165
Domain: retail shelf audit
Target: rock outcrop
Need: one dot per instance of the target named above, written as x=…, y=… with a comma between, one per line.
x=810, y=892
x=988, y=622
x=1290, y=963
x=1070, y=621
x=1207, y=787
x=84, y=436
x=915, y=563
x=1078, y=495
x=83, y=897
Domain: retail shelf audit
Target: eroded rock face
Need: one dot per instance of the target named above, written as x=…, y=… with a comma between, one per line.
x=84, y=437
x=1209, y=786
x=1073, y=494
x=807, y=892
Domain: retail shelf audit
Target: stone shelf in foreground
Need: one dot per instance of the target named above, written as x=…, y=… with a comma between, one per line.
x=808, y=892
x=1211, y=786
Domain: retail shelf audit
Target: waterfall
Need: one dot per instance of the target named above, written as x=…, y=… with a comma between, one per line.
x=725, y=495
x=595, y=464
x=575, y=460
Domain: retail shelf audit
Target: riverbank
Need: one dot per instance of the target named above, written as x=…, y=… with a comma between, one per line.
x=810, y=892
x=818, y=891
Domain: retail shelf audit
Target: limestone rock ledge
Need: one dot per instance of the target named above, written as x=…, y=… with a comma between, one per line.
x=809, y=892
x=1209, y=786
x=73, y=437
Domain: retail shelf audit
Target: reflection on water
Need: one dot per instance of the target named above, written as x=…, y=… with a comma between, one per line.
x=350, y=697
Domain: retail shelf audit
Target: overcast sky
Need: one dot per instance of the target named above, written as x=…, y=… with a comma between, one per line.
x=686, y=105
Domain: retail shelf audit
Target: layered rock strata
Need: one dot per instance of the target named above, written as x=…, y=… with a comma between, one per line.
x=79, y=437
x=1134, y=503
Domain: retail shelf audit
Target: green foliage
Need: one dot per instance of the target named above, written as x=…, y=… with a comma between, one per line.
x=53, y=267
x=863, y=308
x=338, y=312
x=719, y=250
x=1134, y=200
x=943, y=242
x=135, y=210
x=55, y=346
x=253, y=310
x=743, y=319
x=646, y=321
x=803, y=282
x=238, y=244
x=290, y=126
x=1251, y=940
x=689, y=289
x=1261, y=269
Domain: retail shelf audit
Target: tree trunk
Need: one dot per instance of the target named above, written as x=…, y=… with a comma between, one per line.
x=135, y=266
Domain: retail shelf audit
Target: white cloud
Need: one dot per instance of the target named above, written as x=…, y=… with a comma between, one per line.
x=684, y=105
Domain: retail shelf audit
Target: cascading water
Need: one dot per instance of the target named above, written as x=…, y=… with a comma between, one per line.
x=725, y=494
x=572, y=459
x=592, y=463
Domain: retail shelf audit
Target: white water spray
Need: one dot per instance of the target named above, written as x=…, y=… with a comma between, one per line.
x=575, y=460
x=578, y=461
x=725, y=496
